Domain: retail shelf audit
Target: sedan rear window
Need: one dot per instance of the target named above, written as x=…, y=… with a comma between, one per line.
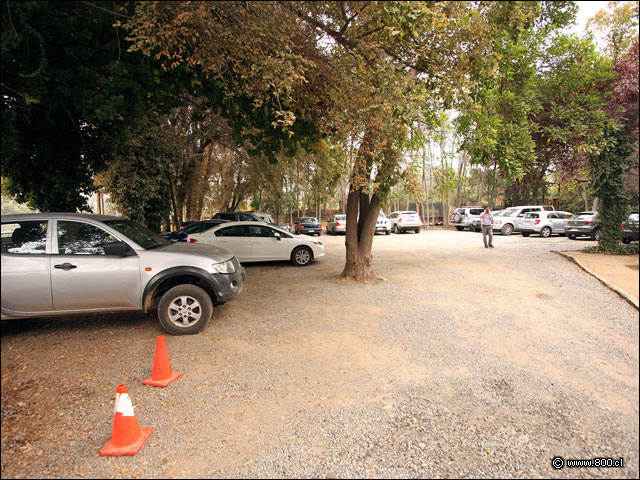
x=233, y=231
x=584, y=216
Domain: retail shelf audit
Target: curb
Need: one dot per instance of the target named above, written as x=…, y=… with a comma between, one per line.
x=607, y=284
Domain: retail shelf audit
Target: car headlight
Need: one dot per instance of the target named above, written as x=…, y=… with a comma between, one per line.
x=224, y=267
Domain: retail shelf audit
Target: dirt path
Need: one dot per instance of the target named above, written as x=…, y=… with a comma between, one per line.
x=621, y=270
x=463, y=362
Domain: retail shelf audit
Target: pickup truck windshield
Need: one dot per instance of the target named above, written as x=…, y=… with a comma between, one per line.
x=139, y=234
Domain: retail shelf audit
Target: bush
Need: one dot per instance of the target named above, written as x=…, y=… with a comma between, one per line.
x=619, y=249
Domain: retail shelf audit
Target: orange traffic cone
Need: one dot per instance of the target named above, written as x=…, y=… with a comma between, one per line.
x=127, y=437
x=162, y=374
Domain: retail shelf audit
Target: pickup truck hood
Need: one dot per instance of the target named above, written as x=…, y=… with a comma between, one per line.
x=198, y=249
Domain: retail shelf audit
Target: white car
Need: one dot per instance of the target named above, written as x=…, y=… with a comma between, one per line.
x=509, y=219
x=257, y=242
x=405, y=220
x=544, y=223
x=383, y=224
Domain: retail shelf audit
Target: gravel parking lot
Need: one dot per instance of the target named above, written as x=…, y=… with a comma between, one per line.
x=463, y=362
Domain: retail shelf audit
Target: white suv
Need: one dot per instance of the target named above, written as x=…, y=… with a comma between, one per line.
x=509, y=220
x=383, y=224
x=464, y=216
x=544, y=223
x=405, y=220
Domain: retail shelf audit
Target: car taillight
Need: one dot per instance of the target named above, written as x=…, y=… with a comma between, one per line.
x=588, y=223
x=301, y=227
x=319, y=226
x=192, y=240
x=337, y=224
x=537, y=221
x=466, y=215
x=400, y=220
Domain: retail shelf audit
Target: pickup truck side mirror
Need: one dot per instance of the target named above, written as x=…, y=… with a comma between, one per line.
x=118, y=249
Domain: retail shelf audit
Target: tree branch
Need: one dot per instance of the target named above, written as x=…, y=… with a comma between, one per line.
x=106, y=10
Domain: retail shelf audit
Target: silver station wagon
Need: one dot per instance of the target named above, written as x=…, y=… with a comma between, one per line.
x=67, y=263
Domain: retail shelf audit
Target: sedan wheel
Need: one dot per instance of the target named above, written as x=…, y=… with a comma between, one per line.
x=596, y=236
x=301, y=256
x=545, y=232
x=396, y=230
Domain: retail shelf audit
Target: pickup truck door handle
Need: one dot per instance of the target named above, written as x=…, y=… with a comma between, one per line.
x=65, y=266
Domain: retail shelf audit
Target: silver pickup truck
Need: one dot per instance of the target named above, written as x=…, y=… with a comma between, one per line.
x=68, y=263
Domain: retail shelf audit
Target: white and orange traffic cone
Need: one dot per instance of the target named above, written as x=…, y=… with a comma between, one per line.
x=162, y=373
x=127, y=437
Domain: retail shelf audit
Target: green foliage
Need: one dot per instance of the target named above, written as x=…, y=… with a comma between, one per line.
x=619, y=249
x=608, y=183
x=619, y=24
x=69, y=88
x=137, y=178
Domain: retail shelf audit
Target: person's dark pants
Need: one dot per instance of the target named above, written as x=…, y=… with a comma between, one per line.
x=487, y=230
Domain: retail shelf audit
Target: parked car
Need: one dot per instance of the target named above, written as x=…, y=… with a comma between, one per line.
x=583, y=224
x=630, y=228
x=258, y=242
x=463, y=217
x=193, y=227
x=237, y=216
x=266, y=218
x=383, y=224
x=544, y=223
x=476, y=223
x=336, y=224
x=308, y=226
x=405, y=220
x=508, y=221
x=68, y=263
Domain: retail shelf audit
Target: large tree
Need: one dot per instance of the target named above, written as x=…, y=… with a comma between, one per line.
x=70, y=87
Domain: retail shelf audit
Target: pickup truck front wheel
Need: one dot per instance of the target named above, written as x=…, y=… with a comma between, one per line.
x=185, y=310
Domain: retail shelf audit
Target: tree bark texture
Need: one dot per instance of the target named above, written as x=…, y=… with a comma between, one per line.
x=362, y=214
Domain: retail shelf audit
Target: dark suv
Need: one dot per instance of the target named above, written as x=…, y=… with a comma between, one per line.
x=583, y=224
x=630, y=228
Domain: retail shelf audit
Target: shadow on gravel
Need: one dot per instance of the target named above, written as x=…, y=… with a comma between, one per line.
x=103, y=321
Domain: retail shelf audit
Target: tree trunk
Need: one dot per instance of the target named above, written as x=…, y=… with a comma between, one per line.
x=174, y=203
x=481, y=186
x=362, y=213
x=359, y=234
x=585, y=197
x=594, y=207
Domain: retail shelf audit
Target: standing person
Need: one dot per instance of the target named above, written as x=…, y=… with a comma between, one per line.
x=486, y=220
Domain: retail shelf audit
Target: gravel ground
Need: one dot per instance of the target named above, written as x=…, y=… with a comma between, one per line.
x=464, y=362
